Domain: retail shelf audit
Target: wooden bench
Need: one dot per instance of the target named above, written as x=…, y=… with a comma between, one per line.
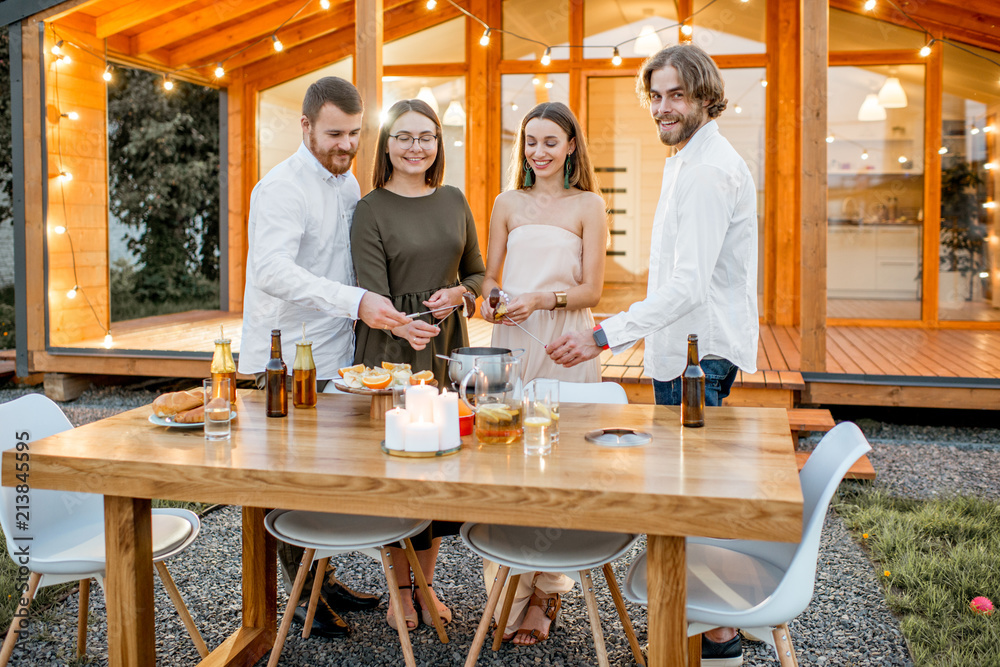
x=806, y=420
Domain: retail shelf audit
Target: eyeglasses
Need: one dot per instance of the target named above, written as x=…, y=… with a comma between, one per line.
x=406, y=140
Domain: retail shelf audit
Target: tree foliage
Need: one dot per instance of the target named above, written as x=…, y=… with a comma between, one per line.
x=163, y=150
x=6, y=158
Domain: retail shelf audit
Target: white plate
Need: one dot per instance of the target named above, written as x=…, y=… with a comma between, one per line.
x=160, y=421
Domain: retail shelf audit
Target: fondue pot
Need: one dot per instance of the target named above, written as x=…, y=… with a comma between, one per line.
x=463, y=359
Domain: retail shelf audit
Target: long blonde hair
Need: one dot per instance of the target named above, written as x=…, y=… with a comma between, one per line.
x=582, y=175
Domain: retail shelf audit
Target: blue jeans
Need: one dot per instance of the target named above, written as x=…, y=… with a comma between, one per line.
x=719, y=377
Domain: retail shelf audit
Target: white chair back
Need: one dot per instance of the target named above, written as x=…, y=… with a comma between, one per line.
x=26, y=420
x=592, y=392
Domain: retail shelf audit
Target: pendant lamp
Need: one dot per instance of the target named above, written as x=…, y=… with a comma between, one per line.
x=425, y=94
x=892, y=95
x=871, y=109
x=648, y=42
x=454, y=114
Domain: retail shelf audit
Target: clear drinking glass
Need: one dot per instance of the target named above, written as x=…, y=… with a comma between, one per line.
x=550, y=387
x=217, y=408
x=536, y=411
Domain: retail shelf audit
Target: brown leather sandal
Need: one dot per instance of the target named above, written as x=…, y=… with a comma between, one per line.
x=550, y=605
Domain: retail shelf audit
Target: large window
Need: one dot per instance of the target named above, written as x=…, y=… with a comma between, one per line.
x=876, y=185
x=520, y=93
x=969, y=269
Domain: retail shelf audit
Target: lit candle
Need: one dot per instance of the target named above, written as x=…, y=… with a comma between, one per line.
x=446, y=418
x=420, y=402
x=421, y=436
x=395, y=428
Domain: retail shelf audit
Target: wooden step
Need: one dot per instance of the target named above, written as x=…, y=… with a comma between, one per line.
x=862, y=468
x=810, y=419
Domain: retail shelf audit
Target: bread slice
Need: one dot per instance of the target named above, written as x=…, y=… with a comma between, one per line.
x=168, y=405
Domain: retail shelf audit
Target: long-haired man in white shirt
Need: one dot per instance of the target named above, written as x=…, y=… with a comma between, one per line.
x=703, y=257
x=300, y=271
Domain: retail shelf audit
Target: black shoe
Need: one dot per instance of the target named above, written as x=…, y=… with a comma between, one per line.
x=342, y=598
x=726, y=654
x=326, y=622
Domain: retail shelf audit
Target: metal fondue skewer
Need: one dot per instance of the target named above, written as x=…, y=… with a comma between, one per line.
x=494, y=301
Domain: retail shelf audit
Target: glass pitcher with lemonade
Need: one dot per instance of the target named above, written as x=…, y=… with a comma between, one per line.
x=498, y=390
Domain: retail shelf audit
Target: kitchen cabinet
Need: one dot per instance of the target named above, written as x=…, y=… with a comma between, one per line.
x=874, y=261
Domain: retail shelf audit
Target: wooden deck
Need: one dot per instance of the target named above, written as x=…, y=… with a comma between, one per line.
x=945, y=368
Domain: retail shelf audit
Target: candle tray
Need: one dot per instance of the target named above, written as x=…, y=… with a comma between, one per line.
x=420, y=455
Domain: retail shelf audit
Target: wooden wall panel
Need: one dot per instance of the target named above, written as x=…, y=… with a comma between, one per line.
x=81, y=204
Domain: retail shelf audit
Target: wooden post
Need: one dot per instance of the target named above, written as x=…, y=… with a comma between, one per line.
x=666, y=571
x=930, y=280
x=128, y=528
x=368, y=30
x=814, y=194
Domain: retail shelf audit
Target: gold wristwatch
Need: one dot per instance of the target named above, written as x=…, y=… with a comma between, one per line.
x=560, y=300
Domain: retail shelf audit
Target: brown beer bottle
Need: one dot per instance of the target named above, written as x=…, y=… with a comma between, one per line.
x=275, y=391
x=304, y=376
x=693, y=388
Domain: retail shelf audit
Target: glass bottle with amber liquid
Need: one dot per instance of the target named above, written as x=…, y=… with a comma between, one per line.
x=275, y=389
x=693, y=388
x=223, y=366
x=304, y=376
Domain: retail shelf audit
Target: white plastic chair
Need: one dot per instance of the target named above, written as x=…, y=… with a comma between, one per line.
x=323, y=535
x=571, y=552
x=67, y=529
x=757, y=585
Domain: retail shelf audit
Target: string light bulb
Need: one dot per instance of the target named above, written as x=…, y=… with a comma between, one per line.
x=57, y=48
x=513, y=106
x=325, y=4
x=974, y=130
x=548, y=84
x=763, y=83
x=220, y=71
x=65, y=176
x=276, y=43
x=738, y=109
x=107, y=73
x=535, y=81
x=616, y=58
x=990, y=205
x=942, y=150
x=64, y=59
x=988, y=128
x=108, y=340
x=72, y=293
x=870, y=5
x=686, y=30
x=547, y=56
x=485, y=39
x=431, y=4
x=167, y=83
x=902, y=159
x=989, y=166
x=864, y=154
x=829, y=139
x=72, y=115
x=925, y=50
x=59, y=229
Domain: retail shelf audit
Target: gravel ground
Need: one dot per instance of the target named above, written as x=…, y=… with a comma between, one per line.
x=847, y=623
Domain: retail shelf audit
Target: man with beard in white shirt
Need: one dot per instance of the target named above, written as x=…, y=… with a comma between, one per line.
x=299, y=270
x=703, y=258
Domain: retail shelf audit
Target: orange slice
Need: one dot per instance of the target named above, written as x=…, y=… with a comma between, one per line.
x=421, y=377
x=357, y=368
x=376, y=379
x=389, y=366
x=463, y=409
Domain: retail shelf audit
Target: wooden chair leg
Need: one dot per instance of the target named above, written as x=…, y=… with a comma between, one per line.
x=293, y=601
x=508, y=602
x=616, y=595
x=81, y=619
x=397, y=607
x=20, y=620
x=587, y=583
x=318, y=580
x=182, y=610
x=783, y=644
x=694, y=650
x=425, y=595
x=484, y=622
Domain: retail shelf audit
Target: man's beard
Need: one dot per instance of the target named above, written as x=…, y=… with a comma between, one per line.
x=681, y=132
x=332, y=160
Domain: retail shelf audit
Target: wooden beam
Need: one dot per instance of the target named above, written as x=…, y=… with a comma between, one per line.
x=236, y=213
x=828, y=393
x=888, y=57
x=933, y=88
x=185, y=27
x=938, y=28
x=132, y=14
x=815, y=22
x=368, y=30
x=479, y=95
x=34, y=223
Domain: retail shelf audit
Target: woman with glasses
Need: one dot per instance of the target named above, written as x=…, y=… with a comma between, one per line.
x=414, y=241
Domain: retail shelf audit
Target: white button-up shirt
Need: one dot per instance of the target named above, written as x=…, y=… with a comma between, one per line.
x=299, y=266
x=702, y=265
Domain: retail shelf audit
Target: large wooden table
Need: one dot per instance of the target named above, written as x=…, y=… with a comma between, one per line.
x=735, y=478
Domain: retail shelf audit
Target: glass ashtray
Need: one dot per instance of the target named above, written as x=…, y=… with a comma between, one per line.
x=619, y=437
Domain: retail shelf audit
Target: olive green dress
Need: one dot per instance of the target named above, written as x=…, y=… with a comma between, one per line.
x=407, y=248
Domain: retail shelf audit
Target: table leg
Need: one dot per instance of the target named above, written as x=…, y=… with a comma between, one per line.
x=260, y=586
x=128, y=583
x=666, y=571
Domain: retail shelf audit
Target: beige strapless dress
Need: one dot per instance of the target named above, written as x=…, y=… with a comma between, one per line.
x=545, y=258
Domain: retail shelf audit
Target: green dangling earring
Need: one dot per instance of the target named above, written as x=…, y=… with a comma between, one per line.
x=567, y=171
x=529, y=175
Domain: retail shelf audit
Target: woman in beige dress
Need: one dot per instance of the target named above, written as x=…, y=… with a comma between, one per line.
x=548, y=234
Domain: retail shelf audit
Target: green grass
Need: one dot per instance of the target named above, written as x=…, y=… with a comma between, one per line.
x=939, y=554
x=49, y=595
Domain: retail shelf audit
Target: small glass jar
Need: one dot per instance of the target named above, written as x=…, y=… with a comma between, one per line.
x=304, y=376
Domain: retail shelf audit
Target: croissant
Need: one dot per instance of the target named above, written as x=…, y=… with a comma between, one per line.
x=195, y=416
x=168, y=405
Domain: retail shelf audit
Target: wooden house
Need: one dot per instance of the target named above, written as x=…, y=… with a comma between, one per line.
x=850, y=113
